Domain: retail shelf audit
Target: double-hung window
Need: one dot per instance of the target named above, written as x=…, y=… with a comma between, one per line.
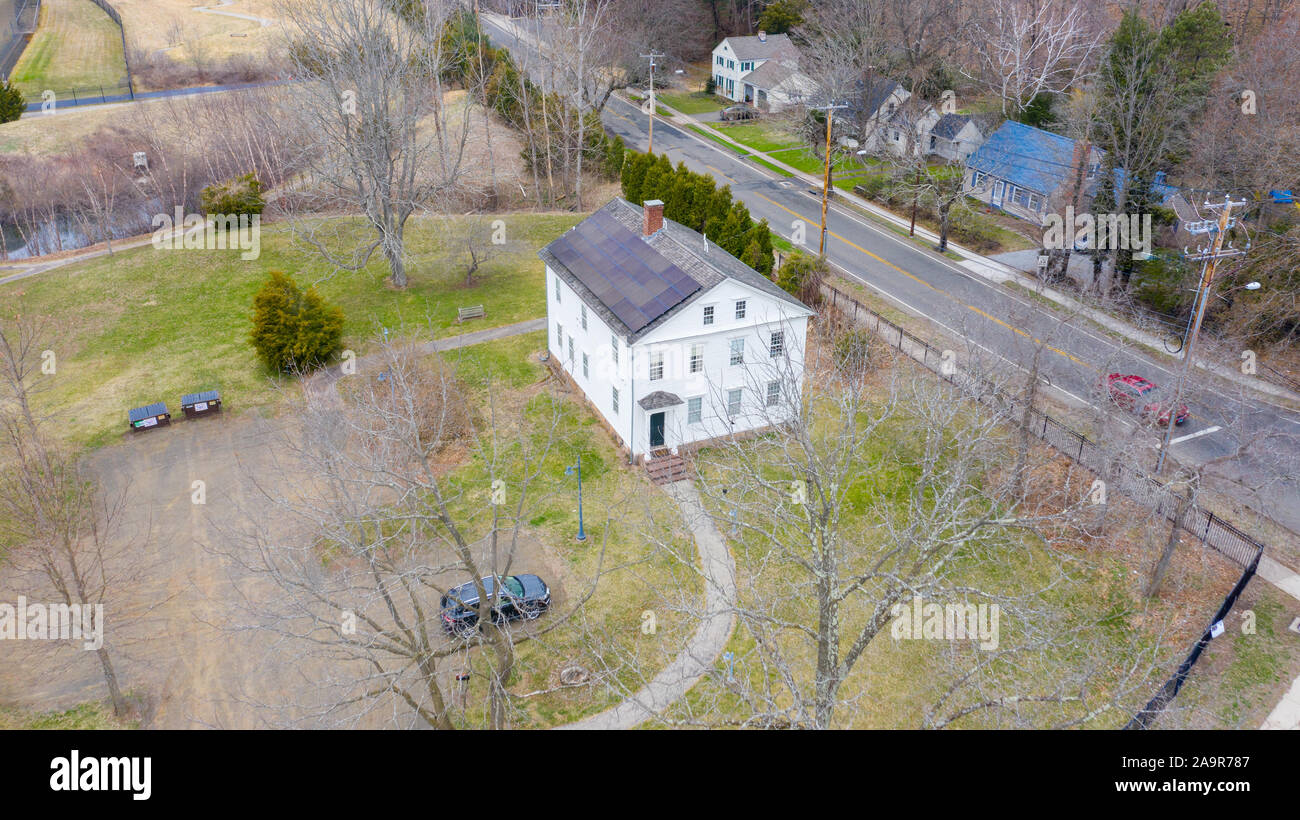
x=737, y=351
x=697, y=358
x=740, y=308
x=777, y=346
x=733, y=402
x=773, y=393
x=694, y=410
x=656, y=366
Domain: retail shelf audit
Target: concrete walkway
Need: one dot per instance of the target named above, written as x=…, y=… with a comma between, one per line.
x=1286, y=715
x=706, y=645
x=261, y=21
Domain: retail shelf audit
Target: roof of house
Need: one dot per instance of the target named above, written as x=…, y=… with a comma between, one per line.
x=911, y=112
x=674, y=246
x=752, y=48
x=658, y=400
x=867, y=99
x=1025, y=156
x=950, y=125
x=771, y=73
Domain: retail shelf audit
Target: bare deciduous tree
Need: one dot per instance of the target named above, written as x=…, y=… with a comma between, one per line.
x=377, y=130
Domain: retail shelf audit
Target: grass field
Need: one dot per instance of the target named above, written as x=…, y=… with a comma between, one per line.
x=145, y=325
x=186, y=33
x=693, y=102
x=1085, y=592
x=76, y=46
x=647, y=559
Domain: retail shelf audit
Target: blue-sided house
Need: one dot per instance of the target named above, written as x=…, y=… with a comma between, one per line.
x=1029, y=172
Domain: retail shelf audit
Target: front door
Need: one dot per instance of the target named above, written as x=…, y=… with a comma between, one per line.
x=656, y=429
x=997, y=193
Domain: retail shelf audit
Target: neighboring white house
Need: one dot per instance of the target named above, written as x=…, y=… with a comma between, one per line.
x=907, y=130
x=954, y=137
x=762, y=70
x=872, y=106
x=673, y=340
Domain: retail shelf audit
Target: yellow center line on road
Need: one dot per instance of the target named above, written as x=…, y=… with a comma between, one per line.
x=921, y=281
x=727, y=178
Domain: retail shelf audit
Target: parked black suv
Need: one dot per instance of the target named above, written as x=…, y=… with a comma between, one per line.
x=522, y=596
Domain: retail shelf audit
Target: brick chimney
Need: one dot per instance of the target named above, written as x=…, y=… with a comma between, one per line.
x=653, y=218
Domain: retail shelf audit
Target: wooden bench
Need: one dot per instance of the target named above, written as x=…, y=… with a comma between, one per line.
x=475, y=312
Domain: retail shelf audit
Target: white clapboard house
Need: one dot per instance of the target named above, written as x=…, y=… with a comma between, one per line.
x=673, y=340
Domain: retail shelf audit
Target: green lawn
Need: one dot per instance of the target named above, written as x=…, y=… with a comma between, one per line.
x=1088, y=597
x=759, y=136
x=76, y=47
x=647, y=562
x=693, y=102
x=146, y=325
x=85, y=716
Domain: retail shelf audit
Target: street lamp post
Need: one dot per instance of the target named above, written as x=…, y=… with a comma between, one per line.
x=571, y=470
x=1209, y=258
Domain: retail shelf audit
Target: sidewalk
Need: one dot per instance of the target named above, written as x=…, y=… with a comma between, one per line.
x=998, y=272
x=1286, y=715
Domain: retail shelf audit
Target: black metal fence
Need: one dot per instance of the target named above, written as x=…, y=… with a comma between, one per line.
x=1165, y=695
x=70, y=97
x=1209, y=528
x=17, y=23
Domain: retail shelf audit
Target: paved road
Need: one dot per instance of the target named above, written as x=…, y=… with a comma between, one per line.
x=994, y=318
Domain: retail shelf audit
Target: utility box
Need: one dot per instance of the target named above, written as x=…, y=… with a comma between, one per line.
x=194, y=405
x=151, y=415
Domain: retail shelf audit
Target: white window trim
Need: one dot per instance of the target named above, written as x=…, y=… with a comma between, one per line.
x=739, y=403
x=731, y=352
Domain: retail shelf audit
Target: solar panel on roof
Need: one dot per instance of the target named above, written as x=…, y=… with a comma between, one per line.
x=628, y=276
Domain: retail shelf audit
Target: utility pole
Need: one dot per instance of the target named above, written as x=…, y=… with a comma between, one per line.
x=1210, y=258
x=830, y=109
x=652, y=56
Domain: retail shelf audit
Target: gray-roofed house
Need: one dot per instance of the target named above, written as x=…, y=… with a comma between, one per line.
x=954, y=137
x=672, y=340
x=871, y=105
x=762, y=71
x=907, y=129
